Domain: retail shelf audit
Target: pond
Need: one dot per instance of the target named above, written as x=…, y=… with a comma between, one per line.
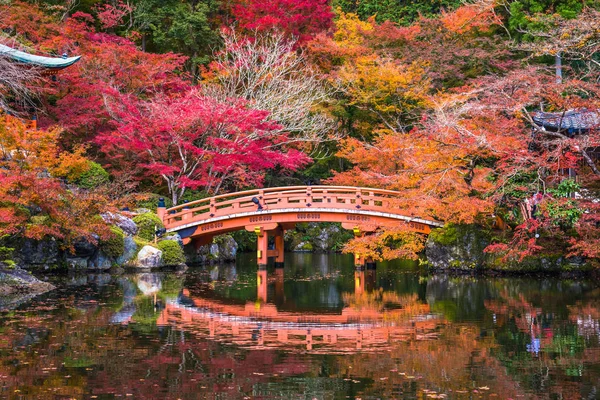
x=316, y=329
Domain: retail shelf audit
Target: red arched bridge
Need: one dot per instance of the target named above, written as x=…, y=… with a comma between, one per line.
x=269, y=212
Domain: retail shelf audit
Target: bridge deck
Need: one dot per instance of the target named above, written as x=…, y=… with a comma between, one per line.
x=353, y=205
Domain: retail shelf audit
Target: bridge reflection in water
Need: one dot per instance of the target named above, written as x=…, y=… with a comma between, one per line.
x=371, y=320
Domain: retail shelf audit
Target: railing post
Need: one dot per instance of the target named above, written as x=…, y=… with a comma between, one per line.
x=161, y=210
x=213, y=207
x=186, y=212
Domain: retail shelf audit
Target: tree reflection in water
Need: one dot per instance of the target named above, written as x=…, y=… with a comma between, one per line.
x=322, y=331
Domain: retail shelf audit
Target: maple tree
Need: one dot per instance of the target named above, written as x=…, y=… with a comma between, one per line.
x=194, y=141
x=36, y=202
x=109, y=64
x=270, y=75
x=301, y=19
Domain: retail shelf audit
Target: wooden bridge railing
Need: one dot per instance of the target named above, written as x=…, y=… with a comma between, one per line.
x=303, y=197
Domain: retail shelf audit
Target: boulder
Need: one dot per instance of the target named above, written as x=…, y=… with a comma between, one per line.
x=175, y=237
x=83, y=248
x=149, y=257
x=303, y=247
x=129, y=253
x=18, y=286
x=222, y=250
x=38, y=252
x=126, y=224
x=100, y=261
x=227, y=248
x=325, y=240
x=213, y=250
x=457, y=247
x=77, y=263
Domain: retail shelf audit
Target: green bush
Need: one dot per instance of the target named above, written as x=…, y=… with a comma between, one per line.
x=95, y=176
x=246, y=240
x=147, y=225
x=151, y=201
x=172, y=253
x=115, y=245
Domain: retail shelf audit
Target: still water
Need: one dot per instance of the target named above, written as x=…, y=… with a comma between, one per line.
x=315, y=330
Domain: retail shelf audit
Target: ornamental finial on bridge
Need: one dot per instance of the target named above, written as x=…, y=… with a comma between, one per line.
x=161, y=209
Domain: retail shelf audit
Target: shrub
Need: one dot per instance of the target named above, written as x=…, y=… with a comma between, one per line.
x=172, y=253
x=147, y=225
x=115, y=245
x=95, y=176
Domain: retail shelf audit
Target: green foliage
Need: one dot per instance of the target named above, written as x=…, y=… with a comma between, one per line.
x=565, y=188
x=402, y=12
x=445, y=236
x=172, y=253
x=246, y=240
x=521, y=185
x=307, y=247
x=563, y=213
x=114, y=246
x=520, y=20
x=179, y=26
x=147, y=225
x=150, y=201
x=6, y=253
x=95, y=176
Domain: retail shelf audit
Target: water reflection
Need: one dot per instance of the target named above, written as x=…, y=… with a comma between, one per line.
x=370, y=320
x=317, y=330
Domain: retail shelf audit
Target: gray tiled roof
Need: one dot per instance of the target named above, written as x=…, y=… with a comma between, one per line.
x=573, y=121
x=40, y=61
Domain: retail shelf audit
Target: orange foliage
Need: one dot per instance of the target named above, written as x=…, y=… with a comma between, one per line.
x=35, y=200
x=470, y=18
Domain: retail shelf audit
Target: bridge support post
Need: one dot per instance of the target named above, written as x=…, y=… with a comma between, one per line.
x=279, y=248
x=262, y=248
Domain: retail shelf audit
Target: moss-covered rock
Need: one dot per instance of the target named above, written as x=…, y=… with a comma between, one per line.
x=223, y=248
x=147, y=224
x=457, y=247
x=114, y=246
x=322, y=237
x=172, y=253
x=462, y=247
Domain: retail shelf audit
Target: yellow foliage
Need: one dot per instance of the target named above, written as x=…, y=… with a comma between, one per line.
x=384, y=85
x=350, y=29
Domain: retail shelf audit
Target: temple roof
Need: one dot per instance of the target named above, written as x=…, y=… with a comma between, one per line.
x=572, y=121
x=53, y=63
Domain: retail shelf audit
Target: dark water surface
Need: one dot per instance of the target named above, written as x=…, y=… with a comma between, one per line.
x=316, y=330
